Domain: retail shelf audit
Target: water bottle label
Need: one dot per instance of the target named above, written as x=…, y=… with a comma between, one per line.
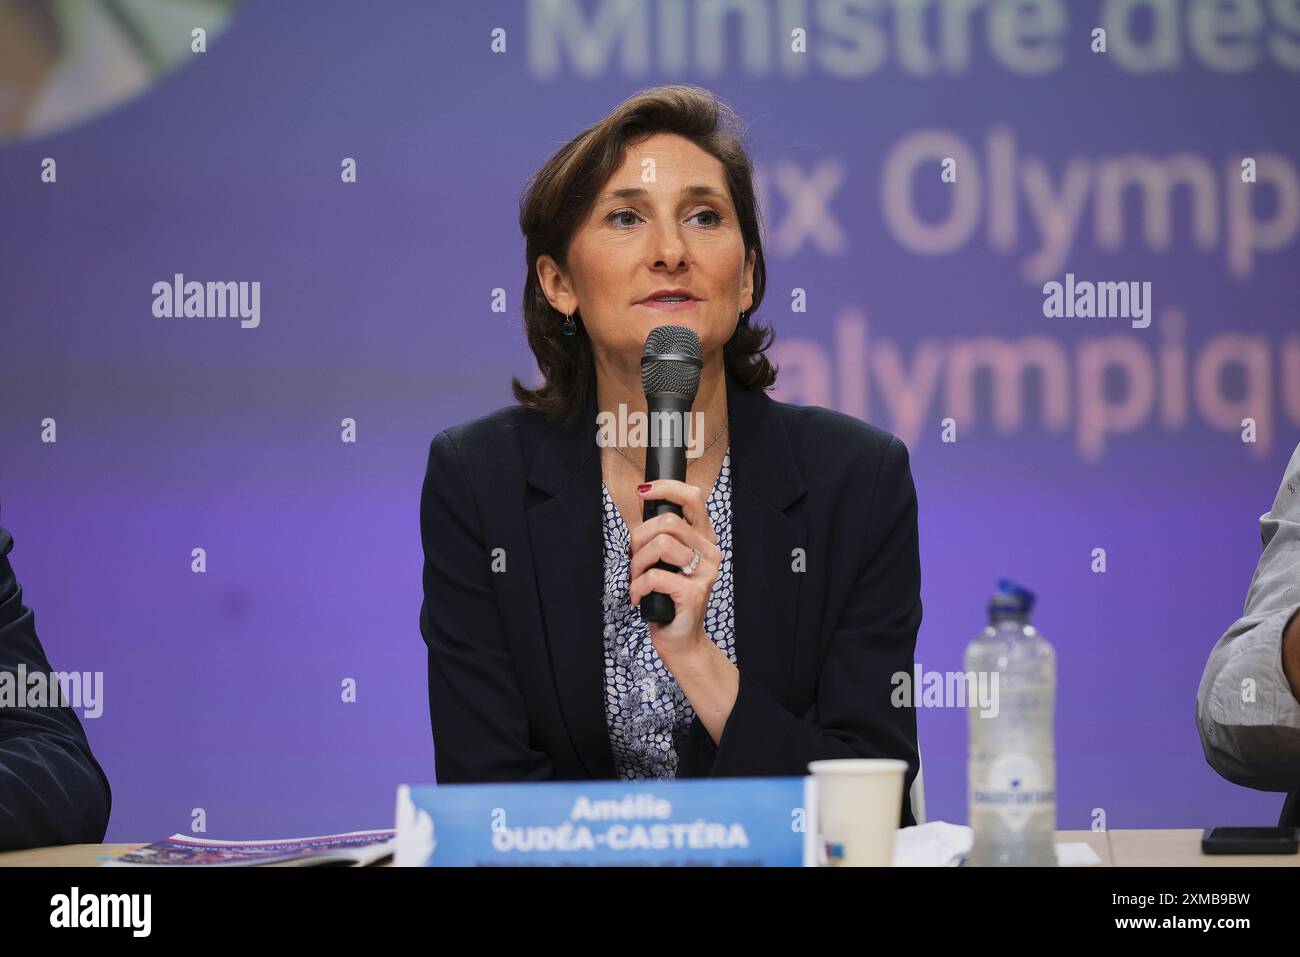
x=1014, y=788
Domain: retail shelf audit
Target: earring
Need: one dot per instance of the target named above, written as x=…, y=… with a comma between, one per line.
x=570, y=327
x=744, y=320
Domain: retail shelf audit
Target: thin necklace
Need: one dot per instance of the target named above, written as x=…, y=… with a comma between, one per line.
x=712, y=443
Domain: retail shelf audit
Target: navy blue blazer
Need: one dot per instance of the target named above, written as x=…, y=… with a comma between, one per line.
x=52, y=790
x=516, y=655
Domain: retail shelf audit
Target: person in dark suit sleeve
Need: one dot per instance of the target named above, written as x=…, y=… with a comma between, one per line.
x=797, y=581
x=52, y=790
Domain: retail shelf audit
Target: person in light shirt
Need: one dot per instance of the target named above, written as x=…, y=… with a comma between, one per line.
x=1248, y=704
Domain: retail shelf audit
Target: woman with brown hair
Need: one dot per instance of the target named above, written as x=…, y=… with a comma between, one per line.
x=797, y=590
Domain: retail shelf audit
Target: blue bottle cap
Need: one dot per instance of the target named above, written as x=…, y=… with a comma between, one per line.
x=1019, y=596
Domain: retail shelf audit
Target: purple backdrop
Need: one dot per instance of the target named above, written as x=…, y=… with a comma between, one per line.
x=222, y=689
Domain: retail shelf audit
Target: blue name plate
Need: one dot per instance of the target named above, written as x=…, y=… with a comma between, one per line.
x=705, y=821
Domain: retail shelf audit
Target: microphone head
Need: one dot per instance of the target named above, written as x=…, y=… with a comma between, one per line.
x=671, y=362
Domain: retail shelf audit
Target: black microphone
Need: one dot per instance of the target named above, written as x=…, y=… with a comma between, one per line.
x=670, y=374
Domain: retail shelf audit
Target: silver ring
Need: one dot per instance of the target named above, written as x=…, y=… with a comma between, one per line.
x=695, y=563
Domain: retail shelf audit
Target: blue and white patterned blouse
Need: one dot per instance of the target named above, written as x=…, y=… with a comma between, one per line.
x=646, y=711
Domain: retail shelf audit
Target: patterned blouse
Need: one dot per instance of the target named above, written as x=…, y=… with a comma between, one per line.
x=646, y=711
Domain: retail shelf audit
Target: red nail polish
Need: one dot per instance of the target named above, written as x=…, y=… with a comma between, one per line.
x=643, y=487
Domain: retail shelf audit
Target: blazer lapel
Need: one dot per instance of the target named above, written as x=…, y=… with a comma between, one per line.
x=765, y=482
x=568, y=549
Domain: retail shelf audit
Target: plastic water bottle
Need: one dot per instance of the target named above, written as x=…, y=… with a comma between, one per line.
x=1011, y=772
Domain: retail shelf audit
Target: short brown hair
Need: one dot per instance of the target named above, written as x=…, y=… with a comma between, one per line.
x=559, y=196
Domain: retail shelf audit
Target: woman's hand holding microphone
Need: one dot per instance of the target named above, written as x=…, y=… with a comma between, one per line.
x=702, y=669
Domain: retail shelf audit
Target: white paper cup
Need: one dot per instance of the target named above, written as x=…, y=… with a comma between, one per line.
x=859, y=801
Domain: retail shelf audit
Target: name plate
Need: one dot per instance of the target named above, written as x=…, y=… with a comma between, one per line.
x=725, y=822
